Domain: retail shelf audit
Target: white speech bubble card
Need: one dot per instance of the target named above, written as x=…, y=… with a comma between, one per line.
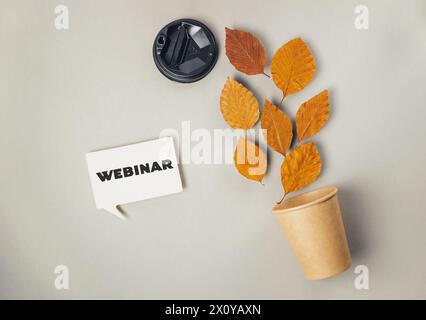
x=132, y=173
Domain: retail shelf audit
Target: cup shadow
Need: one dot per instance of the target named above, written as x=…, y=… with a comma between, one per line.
x=351, y=204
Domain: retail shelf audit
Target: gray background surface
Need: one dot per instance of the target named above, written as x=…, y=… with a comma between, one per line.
x=65, y=93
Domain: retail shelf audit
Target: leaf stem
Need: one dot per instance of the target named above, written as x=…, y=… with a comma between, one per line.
x=282, y=100
x=282, y=199
x=267, y=75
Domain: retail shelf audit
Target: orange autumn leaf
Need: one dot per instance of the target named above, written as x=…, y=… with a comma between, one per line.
x=250, y=160
x=300, y=167
x=292, y=67
x=312, y=116
x=238, y=105
x=277, y=128
x=245, y=52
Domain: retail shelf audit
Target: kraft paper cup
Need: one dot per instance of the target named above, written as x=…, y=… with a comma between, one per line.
x=312, y=223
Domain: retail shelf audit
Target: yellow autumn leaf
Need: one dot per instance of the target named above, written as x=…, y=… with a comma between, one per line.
x=292, y=67
x=238, y=105
x=277, y=128
x=250, y=160
x=300, y=167
x=312, y=116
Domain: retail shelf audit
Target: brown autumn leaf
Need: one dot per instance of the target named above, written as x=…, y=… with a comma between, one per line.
x=245, y=52
x=292, y=66
x=277, y=128
x=312, y=116
x=250, y=160
x=301, y=167
x=238, y=105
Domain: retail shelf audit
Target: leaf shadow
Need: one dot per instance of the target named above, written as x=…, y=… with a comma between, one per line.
x=333, y=111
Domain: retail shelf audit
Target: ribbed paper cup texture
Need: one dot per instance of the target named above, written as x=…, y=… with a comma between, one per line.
x=313, y=225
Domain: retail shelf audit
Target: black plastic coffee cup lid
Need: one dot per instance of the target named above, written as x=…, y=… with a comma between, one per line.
x=185, y=50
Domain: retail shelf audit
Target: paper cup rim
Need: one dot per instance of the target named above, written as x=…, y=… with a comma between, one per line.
x=280, y=208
